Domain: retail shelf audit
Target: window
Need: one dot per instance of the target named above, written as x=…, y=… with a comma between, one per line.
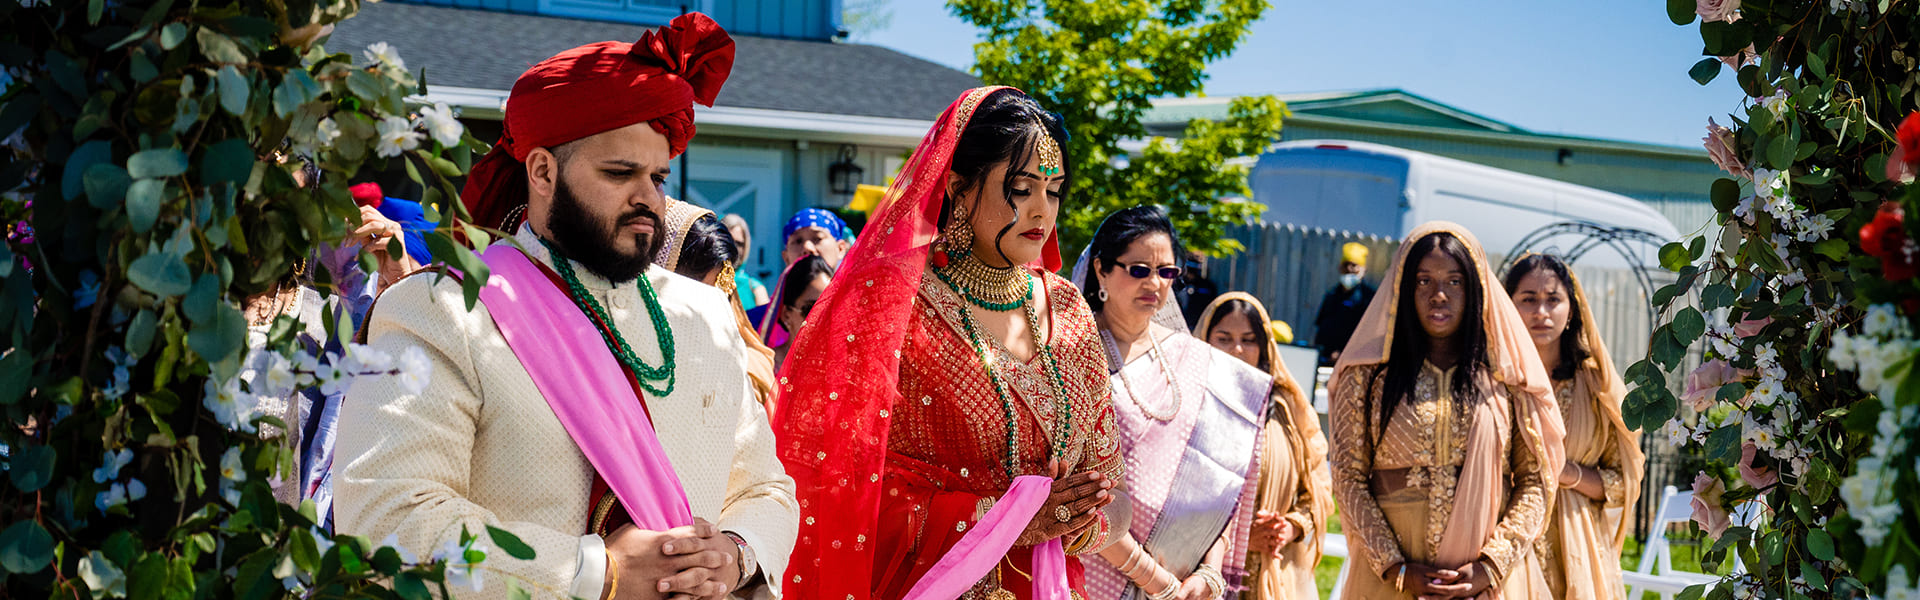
x=642, y=12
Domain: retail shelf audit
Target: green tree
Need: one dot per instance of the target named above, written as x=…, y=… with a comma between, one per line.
x=1100, y=63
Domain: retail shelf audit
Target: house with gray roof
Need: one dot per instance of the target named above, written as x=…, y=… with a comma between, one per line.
x=803, y=118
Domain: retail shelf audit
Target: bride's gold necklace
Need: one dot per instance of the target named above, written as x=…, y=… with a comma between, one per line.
x=992, y=288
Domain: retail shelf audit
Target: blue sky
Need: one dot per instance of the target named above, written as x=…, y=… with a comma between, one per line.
x=1614, y=70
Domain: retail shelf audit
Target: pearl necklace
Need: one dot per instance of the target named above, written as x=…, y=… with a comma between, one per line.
x=1173, y=387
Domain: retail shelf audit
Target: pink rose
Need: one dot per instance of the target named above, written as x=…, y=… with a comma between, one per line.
x=1706, y=505
x=1717, y=10
x=1720, y=148
x=1758, y=477
x=1751, y=327
x=1746, y=57
x=1703, y=383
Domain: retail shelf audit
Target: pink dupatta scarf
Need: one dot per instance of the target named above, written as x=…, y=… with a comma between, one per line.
x=585, y=386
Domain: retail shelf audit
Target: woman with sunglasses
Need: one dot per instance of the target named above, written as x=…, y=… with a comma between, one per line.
x=800, y=287
x=1188, y=418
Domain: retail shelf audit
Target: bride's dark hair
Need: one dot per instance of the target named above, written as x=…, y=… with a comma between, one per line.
x=1003, y=131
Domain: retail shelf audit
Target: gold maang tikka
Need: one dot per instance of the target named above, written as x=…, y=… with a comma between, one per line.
x=1051, y=161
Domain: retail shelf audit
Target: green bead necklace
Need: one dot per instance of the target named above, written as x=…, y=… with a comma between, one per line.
x=1062, y=406
x=646, y=374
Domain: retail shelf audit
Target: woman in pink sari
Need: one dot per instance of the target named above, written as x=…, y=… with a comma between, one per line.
x=1446, y=438
x=944, y=373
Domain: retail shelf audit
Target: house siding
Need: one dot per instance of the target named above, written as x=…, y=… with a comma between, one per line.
x=787, y=19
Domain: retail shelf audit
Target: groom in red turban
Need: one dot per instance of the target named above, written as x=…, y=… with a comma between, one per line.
x=597, y=408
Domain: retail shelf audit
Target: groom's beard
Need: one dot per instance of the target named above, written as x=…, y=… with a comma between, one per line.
x=591, y=241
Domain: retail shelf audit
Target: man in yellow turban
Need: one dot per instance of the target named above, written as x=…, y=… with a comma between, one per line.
x=1341, y=308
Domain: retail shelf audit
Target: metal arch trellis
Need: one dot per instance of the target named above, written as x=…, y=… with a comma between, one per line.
x=1629, y=242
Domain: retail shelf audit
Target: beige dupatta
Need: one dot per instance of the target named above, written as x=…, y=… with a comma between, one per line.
x=1478, y=501
x=677, y=222
x=1289, y=573
x=1589, y=552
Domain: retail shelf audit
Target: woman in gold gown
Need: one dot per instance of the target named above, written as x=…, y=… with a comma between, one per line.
x=1446, y=438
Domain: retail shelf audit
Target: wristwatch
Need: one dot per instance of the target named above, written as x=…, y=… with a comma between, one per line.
x=749, y=564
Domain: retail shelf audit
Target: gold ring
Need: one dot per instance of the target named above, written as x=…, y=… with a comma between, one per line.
x=1061, y=514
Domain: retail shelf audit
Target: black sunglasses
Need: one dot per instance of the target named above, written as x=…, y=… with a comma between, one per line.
x=1143, y=272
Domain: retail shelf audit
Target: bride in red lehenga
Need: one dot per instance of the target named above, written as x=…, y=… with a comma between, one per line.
x=945, y=361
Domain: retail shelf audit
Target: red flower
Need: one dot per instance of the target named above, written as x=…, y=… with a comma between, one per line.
x=1905, y=161
x=1886, y=238
x=367, y=194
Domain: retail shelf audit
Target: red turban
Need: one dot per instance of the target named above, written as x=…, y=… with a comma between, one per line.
x=596, y=88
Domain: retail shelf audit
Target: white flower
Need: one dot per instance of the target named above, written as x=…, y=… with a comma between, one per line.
x=329, y=131
x=1746, y=209
x=306, y=367
x=365, y=360
x=1780, y=248
x=415, y=370
x=1814, y=228
x=396, y=136
x=460, y=562
x=1764, y=393
x=1835, y=6
x=230, y=405
x=1797, y=277
x=1883, y=321
x=103, y=579
x=1768, y=183
x=1676, y=431
x=439, y=122
x=1841, y=352
x=1764, y=355
x=1724, y=347
x=232, y=466
x=333, y=377
x=1778, y=103
x=115, y=495
x=110, y=466
x=136, y=490
x=386, y=55
x=230, y=492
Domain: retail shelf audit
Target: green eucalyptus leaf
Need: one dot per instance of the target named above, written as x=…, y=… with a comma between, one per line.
x=16, y=375
x=234, y=89
x=158, y=162
x=1780, y=152
x=1820, y=544
x=510, y=543
x=144, y=198
x=1725, y=194
x=1673, y=256
x=201, y=298
x=1718, y=296
x=31, y=467
x=140, y=332
x=1688, y=325
x=25, y=548
x=1704, y=71
x=106, y=185
x=219, y=48
x=172, y=35
x=228, y=161
x=1724, y=443
x=73, y=177
x=1681, y=12
x=148, y=577
x=409, y=587
x=221, y=336
x=161, y=274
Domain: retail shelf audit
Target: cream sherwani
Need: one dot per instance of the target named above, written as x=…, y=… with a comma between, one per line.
x=481, y=447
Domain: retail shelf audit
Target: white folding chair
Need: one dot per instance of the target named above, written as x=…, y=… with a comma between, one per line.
x=1656, y=573
x=1335, y=544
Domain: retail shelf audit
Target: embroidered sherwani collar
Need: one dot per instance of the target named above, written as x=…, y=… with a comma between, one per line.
x=530, y=242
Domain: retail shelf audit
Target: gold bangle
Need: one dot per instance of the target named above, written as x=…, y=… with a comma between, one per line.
x=613, y=575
